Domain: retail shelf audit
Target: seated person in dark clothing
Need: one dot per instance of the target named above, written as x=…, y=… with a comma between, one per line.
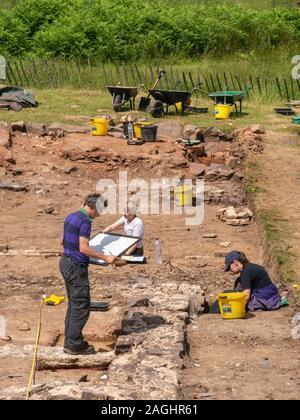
x=261, y=293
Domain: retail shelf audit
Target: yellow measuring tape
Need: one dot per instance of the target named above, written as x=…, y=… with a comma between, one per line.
x=52, y=300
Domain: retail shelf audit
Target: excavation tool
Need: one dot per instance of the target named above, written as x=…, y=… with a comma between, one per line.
x=145, y=100
x=52, y=300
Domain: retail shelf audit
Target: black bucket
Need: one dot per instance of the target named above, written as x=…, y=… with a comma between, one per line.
x=149, y=132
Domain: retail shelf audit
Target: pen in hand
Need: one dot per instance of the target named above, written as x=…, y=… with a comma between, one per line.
x=114, y=264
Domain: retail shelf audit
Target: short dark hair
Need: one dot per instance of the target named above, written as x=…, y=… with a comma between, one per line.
x=243, y=259
x=91, y=201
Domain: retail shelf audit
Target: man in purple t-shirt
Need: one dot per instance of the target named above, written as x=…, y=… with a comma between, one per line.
x=74, y=269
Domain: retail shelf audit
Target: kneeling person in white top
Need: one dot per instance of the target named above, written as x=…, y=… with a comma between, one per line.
x=133, y=226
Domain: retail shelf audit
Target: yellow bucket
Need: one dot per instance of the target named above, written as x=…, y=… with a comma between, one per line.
x=222, y=111
x=99, y=126
x=137, y=128
x=183, y=196
x=232, y=305
x=179, y=104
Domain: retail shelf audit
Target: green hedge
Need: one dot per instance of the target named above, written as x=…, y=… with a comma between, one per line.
x=134, y=29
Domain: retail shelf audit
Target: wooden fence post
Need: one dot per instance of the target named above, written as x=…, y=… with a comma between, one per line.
x=18, y=73
x=219, y=82
x=35, y=72
x=12, y=73
x=258, y=85
x=286, y=90
x=125, y=74
x=212, y=82
x=191, y=79
x=172, y=77
x=138, y=73
x=119, y=74
x=226, y=81
x=279, y=88
x=292, y=86
x=184, y=81
x=132, y=74
x=252, y=84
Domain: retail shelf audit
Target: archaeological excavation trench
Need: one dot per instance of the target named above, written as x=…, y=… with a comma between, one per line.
x=143, y=340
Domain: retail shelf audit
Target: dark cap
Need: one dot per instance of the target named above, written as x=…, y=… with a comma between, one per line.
x=230, y=257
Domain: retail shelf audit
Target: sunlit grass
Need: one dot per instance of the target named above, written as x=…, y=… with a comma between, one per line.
x=76, y=106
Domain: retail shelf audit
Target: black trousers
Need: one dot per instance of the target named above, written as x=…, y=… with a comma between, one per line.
x=78, y=291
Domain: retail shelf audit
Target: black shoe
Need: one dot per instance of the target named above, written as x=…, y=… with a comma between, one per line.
x=83, y=346
x=85, y=351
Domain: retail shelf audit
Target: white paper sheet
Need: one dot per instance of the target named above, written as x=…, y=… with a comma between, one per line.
x=111, y=244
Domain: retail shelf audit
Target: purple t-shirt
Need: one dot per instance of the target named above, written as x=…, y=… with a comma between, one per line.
x=76, y=225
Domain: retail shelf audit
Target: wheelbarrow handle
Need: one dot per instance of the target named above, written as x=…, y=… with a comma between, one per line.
x=192, y=91
x=197, y=86
x=177, y=83
x=204, y=91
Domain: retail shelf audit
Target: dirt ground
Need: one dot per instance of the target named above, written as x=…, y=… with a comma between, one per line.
x=253, y=358
x=280, y=186
x=249, y=359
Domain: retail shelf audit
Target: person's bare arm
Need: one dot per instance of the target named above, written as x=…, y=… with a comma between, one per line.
x=91, y=253
x=62, y=240
x=248, y=295
x=112, y=227
x=131, y=250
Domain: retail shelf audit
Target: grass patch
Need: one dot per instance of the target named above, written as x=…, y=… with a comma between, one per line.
x=275, y=229
x=62, y=105
x=251, y=182
x=72, y=106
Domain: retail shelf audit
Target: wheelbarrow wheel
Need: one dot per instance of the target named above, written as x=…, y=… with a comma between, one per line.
x=157, y=109
x=117, y=103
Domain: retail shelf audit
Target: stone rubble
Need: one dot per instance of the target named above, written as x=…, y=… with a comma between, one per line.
x=218, y=174
x=249, y=138
x=11, y=185
x=235, y=217
x=169, y=129
x=191, y=132
x=5, y=138
x=145, y=364
x=296, y=327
